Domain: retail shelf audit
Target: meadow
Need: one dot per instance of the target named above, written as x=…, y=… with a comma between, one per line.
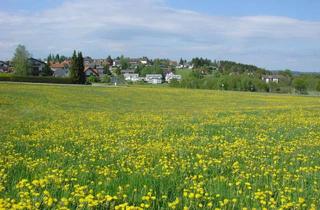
x=82, y=147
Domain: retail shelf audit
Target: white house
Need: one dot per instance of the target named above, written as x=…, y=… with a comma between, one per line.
x=131, y=77
x=170, y=76
x=153, y=78
x=270, y=78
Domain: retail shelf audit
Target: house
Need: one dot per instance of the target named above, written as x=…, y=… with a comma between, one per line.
x=127, y=71
x=62, y=65
x=173, y=63
x=100, y=70
x=144, y=62
x=91, y=71
x=116, y=63
x=153, y=78
x=37, y=66
x=87, y=60
x=270, y=78
x=132, y=77
x=170, y=76
x=101, y=62
x=4, y=66
x=61, y=72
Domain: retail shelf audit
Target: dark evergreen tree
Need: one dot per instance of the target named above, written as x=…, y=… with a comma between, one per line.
x=81, y=73
x=73, y=67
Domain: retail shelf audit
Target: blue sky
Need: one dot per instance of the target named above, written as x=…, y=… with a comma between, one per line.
x=274, y=34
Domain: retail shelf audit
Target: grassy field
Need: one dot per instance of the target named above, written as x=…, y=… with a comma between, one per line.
x=68, y=147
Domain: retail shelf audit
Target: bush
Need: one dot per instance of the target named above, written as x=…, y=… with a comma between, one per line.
x=35, y=79
x=300, y=85
x=106, y=79
x=318, y=86
x=92, y=79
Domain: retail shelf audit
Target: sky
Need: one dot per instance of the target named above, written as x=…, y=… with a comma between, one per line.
x=271, y=34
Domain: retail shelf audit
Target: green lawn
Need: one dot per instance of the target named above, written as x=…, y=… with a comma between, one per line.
x=144, y=147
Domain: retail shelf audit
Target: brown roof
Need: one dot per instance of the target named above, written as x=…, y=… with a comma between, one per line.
x=57, y=65
x=93, y=70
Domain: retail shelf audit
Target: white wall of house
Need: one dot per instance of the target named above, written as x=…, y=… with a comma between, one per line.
x=131, y=77
x=153, y=78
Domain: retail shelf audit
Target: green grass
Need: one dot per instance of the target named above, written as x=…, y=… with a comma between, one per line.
x=156, y=147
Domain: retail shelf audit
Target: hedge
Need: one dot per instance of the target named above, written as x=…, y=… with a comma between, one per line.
x=35, y=79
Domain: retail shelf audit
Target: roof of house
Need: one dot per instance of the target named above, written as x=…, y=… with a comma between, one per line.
x=154, y=75
x=36, y=60
x=57, y=65
x=270, y=76
x=92, y=69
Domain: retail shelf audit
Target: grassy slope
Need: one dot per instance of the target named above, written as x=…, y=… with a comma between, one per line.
x=158, y=140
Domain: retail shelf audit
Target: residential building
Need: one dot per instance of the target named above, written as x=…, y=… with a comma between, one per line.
x=87, y=60
x=4, y=66
x=132, y=77
x=61, y=72
x=91, y=71
x=153, y=78
x=37, y=66
x=170, y=76
x=270, y=78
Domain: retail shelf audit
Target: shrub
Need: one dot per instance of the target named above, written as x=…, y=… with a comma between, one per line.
x=318, y=86
x=300, y=85
x=106, y=79
x=35, y=79
x=92, y=79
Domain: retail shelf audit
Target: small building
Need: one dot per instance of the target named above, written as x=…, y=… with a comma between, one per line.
x=4, y=66
x=37, y=66
x=87, y=60
x=100, y=70
x=116, y=63
x=91, y=71
x=170, y=76
x=56, y=66
x=270, y=78
x=132, y=77
x=153, y=78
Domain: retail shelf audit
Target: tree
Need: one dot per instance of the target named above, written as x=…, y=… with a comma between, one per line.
x=106, y=69
x=73, y=67
x=318, y=86
x=109, y=60
x=81, y=74
x=20, y=61
x=124, y=62
x=181, y=62
x=77, y=68
x=47, y=71
x=106, y=79
x=300, y=85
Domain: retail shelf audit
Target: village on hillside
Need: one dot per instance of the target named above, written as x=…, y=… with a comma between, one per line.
x=128, y=68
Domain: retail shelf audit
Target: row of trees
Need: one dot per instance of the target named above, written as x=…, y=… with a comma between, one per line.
x=56, y=58
x=249, y=82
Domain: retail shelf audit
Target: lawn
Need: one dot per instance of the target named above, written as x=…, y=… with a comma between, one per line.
x=74, y=147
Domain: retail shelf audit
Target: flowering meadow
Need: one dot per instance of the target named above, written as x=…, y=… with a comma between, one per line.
x=83, y=147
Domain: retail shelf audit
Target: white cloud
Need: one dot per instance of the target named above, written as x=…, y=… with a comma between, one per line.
x=149, y=27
